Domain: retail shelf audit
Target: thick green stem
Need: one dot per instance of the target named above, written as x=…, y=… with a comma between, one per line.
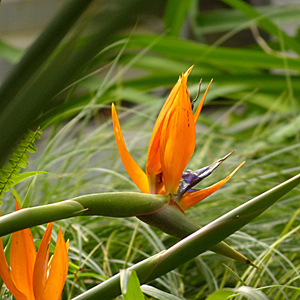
x=125, y=204
x=105, y=204
x=33, y=216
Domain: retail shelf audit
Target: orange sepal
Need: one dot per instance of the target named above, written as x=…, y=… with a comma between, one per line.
x=189, y=199
x=199, y=108
x=178, y=138
x=41, y=264
x=22, y=259
x=137, y=175
x=153, y=166
x=6, y=275
x=58, y=270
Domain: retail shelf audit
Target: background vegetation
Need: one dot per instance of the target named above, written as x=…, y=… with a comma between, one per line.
x=131, y=53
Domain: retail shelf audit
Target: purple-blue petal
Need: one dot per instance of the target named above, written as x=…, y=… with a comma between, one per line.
x=191, y=176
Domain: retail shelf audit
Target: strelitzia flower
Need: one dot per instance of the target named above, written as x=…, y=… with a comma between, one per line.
x=171, y=146
x=32, y=276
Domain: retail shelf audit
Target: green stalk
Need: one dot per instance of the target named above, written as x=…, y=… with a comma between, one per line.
x=105, y=204
x=152, y=209
x=195, y=244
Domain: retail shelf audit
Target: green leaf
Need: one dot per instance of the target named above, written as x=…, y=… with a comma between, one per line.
x=222, y=227
x=29, y=193
x=27, y=175
x=198, y=53
x=9, y=175
x=220, y=294
x=264, y=22
x=285, y=131
x=130, y=285
x=176, y=12
x=10, y=53
x=251, y=293
x=156, y=293
x=235, y=275
x=45, y=70
x=221, y=20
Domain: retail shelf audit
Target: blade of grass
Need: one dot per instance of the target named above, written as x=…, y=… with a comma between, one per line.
x=221, y=56
x=264, y=22
x=175, y=14
x=228, y=19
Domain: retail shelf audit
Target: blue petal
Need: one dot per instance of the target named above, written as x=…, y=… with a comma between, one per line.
x=191, y=176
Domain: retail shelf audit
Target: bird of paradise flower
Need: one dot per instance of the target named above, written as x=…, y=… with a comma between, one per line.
x=171, y=146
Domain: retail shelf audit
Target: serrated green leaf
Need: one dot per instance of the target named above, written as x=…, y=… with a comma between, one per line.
x=18, y=159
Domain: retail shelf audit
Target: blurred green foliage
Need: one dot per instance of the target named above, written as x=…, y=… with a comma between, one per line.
x=131, y=53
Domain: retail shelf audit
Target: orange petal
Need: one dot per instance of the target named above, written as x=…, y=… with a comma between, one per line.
x=178, y=138
x=153, y=166
x=189, y=199
x=137, y=175
x=58, y=270
x=6, y=275
x=199, y=108
x=22, y=259
x=41, y=264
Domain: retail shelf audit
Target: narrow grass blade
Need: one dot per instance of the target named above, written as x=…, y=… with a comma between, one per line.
x=156, y=293
x=251, y=293
x=175, y=15
x=130, y=286
x=264, y=22
x=173, y=47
